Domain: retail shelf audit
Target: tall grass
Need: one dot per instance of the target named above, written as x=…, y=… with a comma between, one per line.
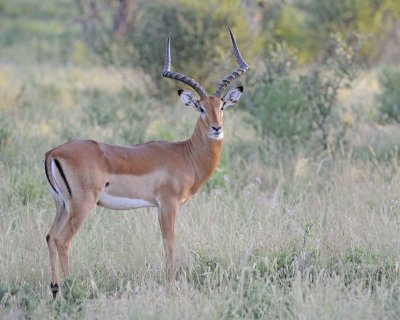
x=268, y=237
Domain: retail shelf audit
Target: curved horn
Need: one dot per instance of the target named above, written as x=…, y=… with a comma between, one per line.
x=179, y=76
x=243, y=67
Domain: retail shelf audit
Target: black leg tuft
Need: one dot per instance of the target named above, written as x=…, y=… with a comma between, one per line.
x=54, y=289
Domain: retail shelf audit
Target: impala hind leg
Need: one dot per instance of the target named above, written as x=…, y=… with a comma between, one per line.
x=65, y=227
x=166, y=217
x=50, y=239
x=77, y=215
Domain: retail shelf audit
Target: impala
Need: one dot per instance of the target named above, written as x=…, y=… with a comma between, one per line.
x=84, y=173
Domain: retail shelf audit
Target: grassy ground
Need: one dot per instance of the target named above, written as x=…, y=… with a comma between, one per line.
x=300, y=238
x=268, y=237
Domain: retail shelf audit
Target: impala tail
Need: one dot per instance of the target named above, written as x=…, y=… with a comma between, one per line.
x=56, y=179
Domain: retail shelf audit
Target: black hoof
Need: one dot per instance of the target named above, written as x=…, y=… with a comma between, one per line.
x=54, y=289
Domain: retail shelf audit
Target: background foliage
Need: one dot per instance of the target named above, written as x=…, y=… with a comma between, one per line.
x=301, y=218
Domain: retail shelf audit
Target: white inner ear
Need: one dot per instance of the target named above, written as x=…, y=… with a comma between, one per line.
x=188, y=99
x=232, y=96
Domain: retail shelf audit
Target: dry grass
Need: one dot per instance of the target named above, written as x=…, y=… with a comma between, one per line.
x=299, y=239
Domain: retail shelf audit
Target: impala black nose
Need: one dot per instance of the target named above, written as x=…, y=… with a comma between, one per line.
x=216, y=129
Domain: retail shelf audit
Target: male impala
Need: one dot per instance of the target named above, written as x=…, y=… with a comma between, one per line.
x=84, y=173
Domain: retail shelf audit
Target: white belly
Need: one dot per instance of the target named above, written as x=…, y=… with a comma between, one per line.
x=119, y=203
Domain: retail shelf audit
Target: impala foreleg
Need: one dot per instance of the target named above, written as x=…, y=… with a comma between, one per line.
x=166, y=216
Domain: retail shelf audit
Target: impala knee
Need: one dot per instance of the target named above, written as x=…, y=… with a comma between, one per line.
x=76, y=223
x=61, y=244
x=50, y=241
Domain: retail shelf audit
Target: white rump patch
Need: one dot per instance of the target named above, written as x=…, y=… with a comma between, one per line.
x=120, y=203
x=59, y=195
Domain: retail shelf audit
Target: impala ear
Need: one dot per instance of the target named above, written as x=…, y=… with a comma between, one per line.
x=188, y=99
x=232, y=96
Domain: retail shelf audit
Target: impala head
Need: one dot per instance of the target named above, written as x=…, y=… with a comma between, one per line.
x=210, y=107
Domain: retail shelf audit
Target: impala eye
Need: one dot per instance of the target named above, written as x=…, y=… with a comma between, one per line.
x=202, y=110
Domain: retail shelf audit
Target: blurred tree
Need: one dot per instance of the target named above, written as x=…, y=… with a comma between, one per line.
x=200, y=42
x=108, y=27
x=373, y=19
x=123, y=20
x=389, y=98
x=131, y=32
x=308, y=24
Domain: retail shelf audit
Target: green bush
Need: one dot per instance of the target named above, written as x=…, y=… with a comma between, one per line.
x=373, y=18
x=278, y=101
x=281, y=107
x=6, y=129
x=295, y=110
x=199, y=37
x=389, y=98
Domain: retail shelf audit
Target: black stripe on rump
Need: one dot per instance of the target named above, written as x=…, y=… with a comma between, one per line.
x=58, y=164
x=47, y=174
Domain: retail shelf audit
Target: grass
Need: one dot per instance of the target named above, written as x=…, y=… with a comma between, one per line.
x=256, y=264
x=270, y=235
x=298, y=239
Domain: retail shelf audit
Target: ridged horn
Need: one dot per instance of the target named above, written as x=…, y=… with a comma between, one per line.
x=179, y=76
x=243, y=67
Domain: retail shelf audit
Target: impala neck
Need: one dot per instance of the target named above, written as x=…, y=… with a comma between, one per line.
x=204, y=153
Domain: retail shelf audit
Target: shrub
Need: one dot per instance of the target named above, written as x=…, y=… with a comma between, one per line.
x=297, y=111
x=199, y=36
x=374, y=19
x=6, y=129
x=389, y=98
x=282, y=111
x=278, y=102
